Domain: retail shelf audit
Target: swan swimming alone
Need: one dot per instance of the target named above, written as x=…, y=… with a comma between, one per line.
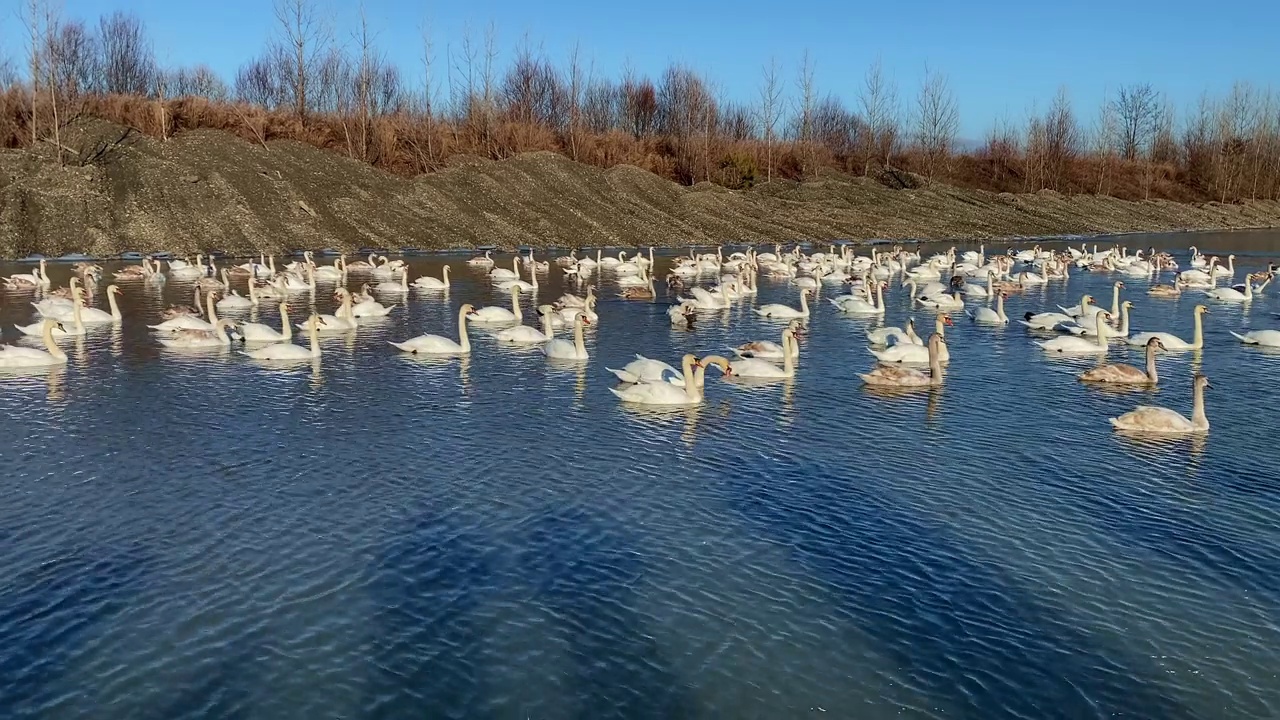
x=1160, y=420
x=438, y=344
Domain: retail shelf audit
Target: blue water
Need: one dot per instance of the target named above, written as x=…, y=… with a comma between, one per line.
x=379, y=536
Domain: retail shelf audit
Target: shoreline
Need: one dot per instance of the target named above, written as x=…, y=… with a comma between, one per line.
x=208, y=190
x=808, y=245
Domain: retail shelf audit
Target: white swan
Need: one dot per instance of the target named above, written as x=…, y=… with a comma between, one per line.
x=668, y=395
x=1265, y=338
x=526, y=335
x=429, y=283
x=942, y=302
x=1230, y=294
x=563, y=349
x=499, y=274
x=648, y=370
x=496, y=315
x=485, y=260
x=231, y=300
x=75, y=328
x=987, y=316
x=900, y=377
x=1152, y=419
x=12, y=356
x=883, y=336
x=288, y=351
x=776, y=310
x=1070, y=344
x=438, y=344
x=1173, y=342
x=916, y=354
x=253, y=332
x=854, y=305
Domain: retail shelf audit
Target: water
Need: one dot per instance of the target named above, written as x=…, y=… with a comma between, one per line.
x=378, y=536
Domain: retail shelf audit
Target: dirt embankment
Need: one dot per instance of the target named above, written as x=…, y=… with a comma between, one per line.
x=208, y=190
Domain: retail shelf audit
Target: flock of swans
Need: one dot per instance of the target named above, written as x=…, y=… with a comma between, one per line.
x=945, y=283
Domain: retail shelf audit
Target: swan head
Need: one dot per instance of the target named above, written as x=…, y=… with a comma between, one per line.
x=1202, y=309
x=715, y=361
x=1126, y=304
x=1156, y=343
x=1119, y=283
x=946, y=320
x=113, y=290
x=1201, y=382
x=467, y=309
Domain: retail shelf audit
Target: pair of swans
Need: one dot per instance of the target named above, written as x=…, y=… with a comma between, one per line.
x=287, y=351
x=917, y=354
x=252, y=332
x=666, y=394
x=779, y=311
x=769, y=350
x=37, y=278
x=12, y=356
x=757, y=368
x=1163, y=421
x=890, y=376
x=855, y=305
x=1127, y=374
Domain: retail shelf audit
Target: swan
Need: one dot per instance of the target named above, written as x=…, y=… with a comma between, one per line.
x=855, y=305
x=335, y=272
x=895, y=335
x=430, y=283
x=771, y=350
x=917, y=354
x=669, y=395
x=482, y=260
x=1265, y=338
x=1173, y=290
x=987, y=316
x=683, y=314
x=499, y=274
x=1173, y=342
x=391, y=286
x=253, y=332
x=775, y=310
x=187, y=338
x=495, y=315
x=21, y=357
x=942, y=302
x=1047, y=320
x=287, y=350
x=526, y=335
x=568, y=300
x=1078, y=345
x=190, y=322
x=648, y=370
x=900, y=377
x=565, y=350
x=1127, y=374
x=388, y=270
x=1152, y=419
x=231, y=300
x=438, y=344
x=1230, y=294
x=979, y=291
x=372, y=308
x=763, y=369
x=564, y=316
x=340, y=322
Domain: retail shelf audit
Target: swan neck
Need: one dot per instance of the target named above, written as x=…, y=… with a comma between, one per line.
x=49, y=345
x=1151, y=365
x=463, y=341
x=788, y=353
x=314, y=332
x=211, y=309
x=1198, y=338
x=111, y=301
x=578, y=343
x=286, y=330
x=1198, y=417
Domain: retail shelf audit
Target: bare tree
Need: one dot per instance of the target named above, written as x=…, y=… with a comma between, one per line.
x=1061, y=141
x=577, y=85
x=937, y=121
x=127, y=62
x=806, y=104
x=302, y=34
x=8, y=75
x=1137, y=110
x=639, y=104
x=880, y=110
x=428, y=92
x=1105, y=139
x=770, y=111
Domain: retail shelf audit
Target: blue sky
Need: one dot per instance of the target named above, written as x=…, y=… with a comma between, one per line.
x=1001, y=57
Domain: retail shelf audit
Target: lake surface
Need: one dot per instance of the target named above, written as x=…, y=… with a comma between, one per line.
x=379, y=536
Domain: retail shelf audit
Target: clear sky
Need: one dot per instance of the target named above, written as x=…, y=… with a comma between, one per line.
x=1001, y=57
